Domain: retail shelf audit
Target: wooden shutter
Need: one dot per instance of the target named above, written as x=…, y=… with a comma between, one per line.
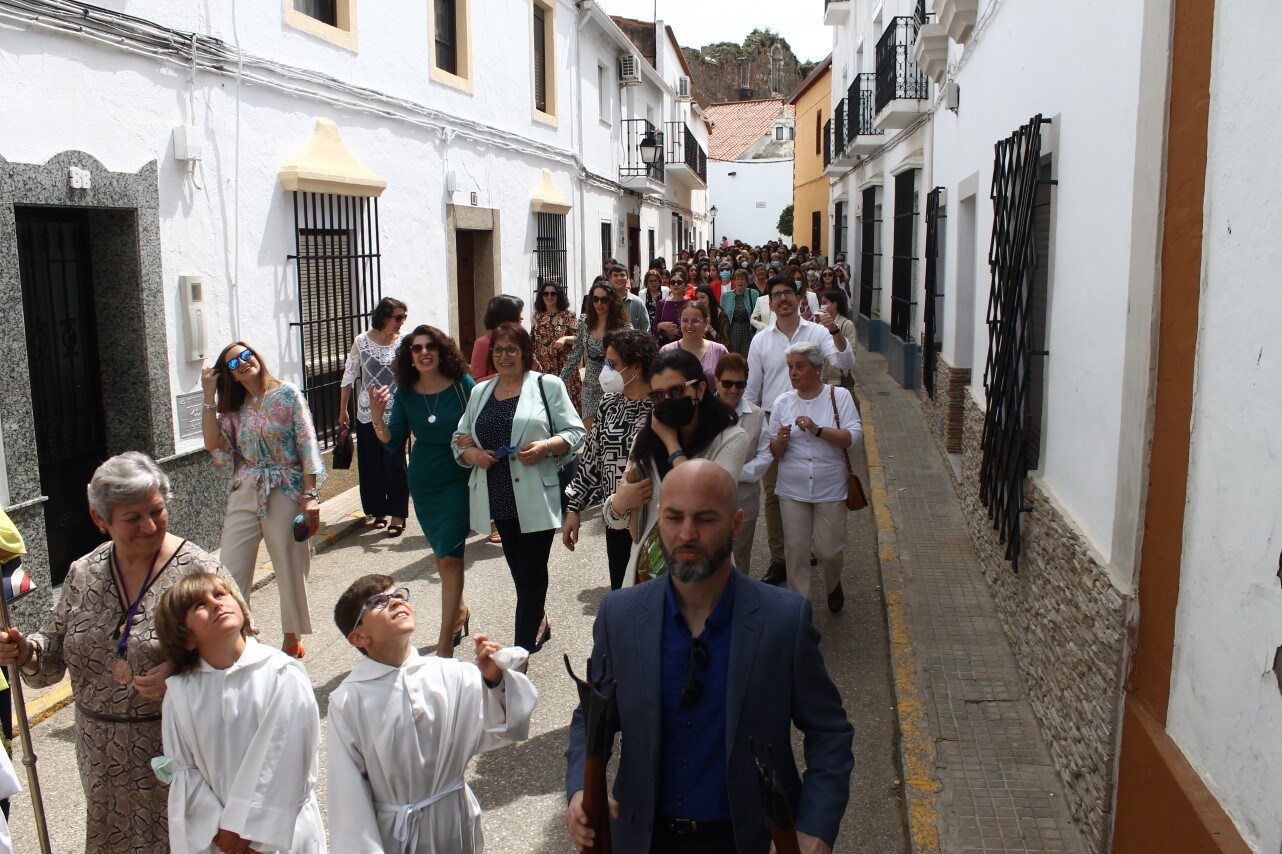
x=540, y=63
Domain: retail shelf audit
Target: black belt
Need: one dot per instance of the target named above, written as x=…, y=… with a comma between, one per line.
x=689, y=828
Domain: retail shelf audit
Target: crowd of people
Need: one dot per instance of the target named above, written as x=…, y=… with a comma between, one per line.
x=678, y=409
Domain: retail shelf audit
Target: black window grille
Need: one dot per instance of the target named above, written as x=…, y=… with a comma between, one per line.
x=636, y=131
x=862, y=109
x=1010, y=365
x=827, y=143
x=325, y=11
x=446, y=37
x=870, y=253
x=540, y=62
x=652, y=252
x=607, y=242
x=897, y=73
x=339, y=284
x=920, y=15
x=903, y=269
x=816, y=231
x=934, y=292
x=840, y=126
x=683, y=148
x=549, y=250
x=838, y=230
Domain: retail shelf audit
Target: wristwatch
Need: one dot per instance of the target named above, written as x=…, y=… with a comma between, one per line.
x=313, y=494
x=819, y=433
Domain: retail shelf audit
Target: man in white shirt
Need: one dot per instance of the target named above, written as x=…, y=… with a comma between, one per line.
x=768, y=379
x=634, y=304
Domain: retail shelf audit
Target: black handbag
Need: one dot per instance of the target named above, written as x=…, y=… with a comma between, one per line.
x=343, y=448
x=565, y=470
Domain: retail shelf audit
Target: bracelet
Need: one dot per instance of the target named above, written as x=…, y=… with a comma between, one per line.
x=313, y=494
x=210, y=406
x=548, y=443
x=672, y=457
x=31, y=653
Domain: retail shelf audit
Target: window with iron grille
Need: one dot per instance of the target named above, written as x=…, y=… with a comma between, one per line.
x=870, y=253
x=652, y=252
x=339, y=284
x=903, y=270
x=447, y=35
x=325, y=11
x=1022, y=199
x=930, y=338
x=540, y=61
x=549, y=250
x=816, y=231
x=838, y=230
x=607, y=242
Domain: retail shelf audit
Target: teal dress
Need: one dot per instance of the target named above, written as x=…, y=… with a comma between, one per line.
x=438, y=484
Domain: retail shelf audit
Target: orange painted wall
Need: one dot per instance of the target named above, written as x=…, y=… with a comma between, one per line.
x=809, y=186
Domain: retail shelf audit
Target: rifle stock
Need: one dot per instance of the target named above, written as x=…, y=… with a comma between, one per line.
x=596, y=802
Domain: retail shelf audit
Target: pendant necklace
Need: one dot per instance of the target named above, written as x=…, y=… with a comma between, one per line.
x=122, y=672
x=431, y=413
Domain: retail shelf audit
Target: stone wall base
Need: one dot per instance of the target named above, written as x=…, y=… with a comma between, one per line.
x=945, y=412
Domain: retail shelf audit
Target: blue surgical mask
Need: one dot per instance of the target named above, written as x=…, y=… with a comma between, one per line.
x=725, y=274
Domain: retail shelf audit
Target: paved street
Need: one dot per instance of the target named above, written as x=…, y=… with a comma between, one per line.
x=521, y=787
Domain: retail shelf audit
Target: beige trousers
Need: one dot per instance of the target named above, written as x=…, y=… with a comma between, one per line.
x=743, y=547
x=774, y=524
x=243, y=530
x=826, y=523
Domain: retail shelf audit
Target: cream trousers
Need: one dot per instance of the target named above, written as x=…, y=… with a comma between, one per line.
x=821, y=527
x=243, y=530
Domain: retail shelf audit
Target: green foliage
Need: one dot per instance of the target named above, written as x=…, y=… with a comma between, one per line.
x=785, y=222
x=804, y=69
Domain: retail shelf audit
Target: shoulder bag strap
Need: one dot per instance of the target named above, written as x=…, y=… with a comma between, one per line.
x=845, y=454
x=547, y=410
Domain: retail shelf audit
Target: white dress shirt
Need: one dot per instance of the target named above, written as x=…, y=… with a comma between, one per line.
x=813, y=470
x=768, y=367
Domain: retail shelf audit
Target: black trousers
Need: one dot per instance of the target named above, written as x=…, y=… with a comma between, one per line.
x=663, y=840
x=527, y=560
x=385, y=491
x=618, y=549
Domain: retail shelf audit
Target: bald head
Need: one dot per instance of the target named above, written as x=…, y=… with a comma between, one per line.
x=704, y=482
x=699, y=517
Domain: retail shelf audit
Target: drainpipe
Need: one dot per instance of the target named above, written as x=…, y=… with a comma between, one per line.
x=585, y=15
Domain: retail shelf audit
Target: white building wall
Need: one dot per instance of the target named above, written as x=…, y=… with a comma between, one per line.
x=1225, y=708
x=749, y=196
x=1095, y=223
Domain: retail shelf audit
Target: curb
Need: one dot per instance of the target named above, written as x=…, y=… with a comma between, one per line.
x=916, y=747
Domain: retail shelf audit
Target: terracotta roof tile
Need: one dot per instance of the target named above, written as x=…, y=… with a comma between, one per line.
x=737, y=125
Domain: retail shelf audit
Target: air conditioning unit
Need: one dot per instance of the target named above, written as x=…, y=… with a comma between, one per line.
x=629, y=70
x=683, y=88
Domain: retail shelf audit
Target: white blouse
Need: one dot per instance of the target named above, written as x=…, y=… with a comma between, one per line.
x=812, y=469
x=372, y=363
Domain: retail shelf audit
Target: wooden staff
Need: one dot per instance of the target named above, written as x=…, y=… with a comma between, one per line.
x=596, y=800
x=774, y=801
x=24, y=731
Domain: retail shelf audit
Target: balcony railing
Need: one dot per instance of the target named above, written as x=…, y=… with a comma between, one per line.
x=631, y=165
x=840, y=126
x=827, y=143
x=897, y=73
x=862, y=97
x=684, y=148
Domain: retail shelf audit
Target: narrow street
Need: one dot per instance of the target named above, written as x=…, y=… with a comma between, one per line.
x=521, y=788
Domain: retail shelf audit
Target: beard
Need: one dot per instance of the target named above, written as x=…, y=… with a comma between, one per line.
x=693, y=572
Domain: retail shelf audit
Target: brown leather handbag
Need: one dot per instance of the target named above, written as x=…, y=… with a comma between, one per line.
x=855, y=497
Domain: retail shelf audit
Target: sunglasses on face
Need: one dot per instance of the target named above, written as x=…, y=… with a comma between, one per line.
x=399, y=318
x=419, y=348
x=379, y=601
x=729, y=384
x=600, y=300
x=239, y=359
x=552, y=294
x=675, y=393
x=505, y=351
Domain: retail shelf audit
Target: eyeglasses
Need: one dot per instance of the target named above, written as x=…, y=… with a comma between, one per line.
x=236, y=361
x=729, y=384
x=379, y=601
x=692, y=688
x=399, y=318
x=829, y=275
x=551, y=293
x=600, y=300
x=675, y=393
x=779, y=294
x=419, y=348
x=505, y=351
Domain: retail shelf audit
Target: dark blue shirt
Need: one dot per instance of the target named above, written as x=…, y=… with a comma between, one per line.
x=692, y=767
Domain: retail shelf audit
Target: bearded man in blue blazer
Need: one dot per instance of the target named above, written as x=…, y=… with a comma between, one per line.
x=703, y=659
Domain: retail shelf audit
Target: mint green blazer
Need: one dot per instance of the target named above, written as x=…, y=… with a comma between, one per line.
x=537, y=488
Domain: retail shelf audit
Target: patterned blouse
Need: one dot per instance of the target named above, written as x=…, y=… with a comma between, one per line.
x=272, y=447
x=605, y=452
x=546, y=330
x=372, y=363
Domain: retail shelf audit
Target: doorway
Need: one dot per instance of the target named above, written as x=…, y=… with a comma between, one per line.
x=55, y=269
x=467, y=326
x=634, y=249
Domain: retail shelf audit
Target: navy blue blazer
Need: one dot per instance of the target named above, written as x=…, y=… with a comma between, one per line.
x=777, y=678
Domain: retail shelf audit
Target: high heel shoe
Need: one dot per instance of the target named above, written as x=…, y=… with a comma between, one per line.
x=544, y=636
x=467, y=625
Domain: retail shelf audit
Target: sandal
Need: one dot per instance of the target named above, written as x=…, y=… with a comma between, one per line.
x=380, y=523
x=295, y=651
x=464, y=626
x=395, y=530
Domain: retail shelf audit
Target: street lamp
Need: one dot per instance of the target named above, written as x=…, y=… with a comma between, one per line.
x=712, y=211
x=649, y=149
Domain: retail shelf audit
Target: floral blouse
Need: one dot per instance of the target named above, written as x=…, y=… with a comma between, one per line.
x=272, y=447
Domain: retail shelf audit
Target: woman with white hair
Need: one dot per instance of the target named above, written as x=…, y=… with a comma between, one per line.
x=813, y=426
x=102, y=632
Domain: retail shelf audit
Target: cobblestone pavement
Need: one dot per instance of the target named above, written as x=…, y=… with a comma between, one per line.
x=998, y=790
x=521, y=787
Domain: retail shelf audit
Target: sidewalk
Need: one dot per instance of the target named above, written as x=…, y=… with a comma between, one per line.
x=977, y=771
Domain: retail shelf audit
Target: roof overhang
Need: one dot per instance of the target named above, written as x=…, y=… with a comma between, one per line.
x=326, y=165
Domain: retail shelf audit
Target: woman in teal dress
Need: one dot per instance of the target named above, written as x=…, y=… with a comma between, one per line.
x=433, y=386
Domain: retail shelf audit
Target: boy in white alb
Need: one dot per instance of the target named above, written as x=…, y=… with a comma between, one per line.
x=402, y=728
x=241, y=730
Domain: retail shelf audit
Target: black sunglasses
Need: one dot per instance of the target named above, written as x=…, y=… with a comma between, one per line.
x=419, y=348
x=692, y=687
x=600, y=300
x=551, y=293
x=734, y=383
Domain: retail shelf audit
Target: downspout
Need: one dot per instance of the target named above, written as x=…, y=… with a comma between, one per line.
x=584, y=17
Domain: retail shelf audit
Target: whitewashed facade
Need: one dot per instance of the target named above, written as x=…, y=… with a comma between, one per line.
x=471, y=167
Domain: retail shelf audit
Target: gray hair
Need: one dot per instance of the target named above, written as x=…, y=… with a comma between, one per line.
x=814, y=355
x=124, y=479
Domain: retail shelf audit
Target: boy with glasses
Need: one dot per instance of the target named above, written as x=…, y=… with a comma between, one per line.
x=403, y=726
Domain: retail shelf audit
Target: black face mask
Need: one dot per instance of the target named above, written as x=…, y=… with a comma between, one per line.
x=675, y=413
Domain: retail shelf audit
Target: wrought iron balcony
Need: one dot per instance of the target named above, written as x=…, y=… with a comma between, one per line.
x=842, y=155
x=828, y=147
x=835, y=11
x=900, y=82
x=686, y=160
x=863, y=136
x=635, y=173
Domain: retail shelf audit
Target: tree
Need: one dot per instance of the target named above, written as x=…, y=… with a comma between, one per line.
x=785, y=221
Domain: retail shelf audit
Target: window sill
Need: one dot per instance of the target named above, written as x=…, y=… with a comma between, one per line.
x=321, y=30
x=548, y=119
x=454, y=81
